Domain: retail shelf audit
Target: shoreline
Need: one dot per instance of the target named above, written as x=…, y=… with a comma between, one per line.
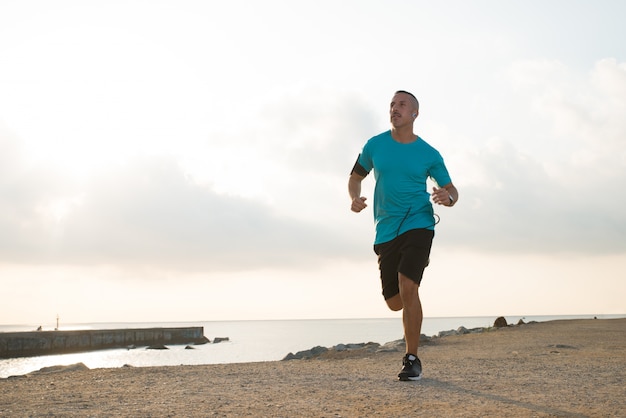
x=554, y=368
x=86, y=326
x=275, y=348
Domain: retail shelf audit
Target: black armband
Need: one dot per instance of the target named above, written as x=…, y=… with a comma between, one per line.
x=358, y=168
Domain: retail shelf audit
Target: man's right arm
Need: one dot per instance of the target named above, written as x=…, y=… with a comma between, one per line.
x=354, y=189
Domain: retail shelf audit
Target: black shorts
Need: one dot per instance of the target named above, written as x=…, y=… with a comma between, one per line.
x=407, y=254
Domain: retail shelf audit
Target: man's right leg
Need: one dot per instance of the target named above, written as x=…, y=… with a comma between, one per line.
x=412, y=313
x=404, y=295
x=408, y=301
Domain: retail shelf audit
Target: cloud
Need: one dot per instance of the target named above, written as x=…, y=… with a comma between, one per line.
x=540, y=180
x=25, y=192
x=149, y=213
x=321, y=130
x=548, y=185
x=525, y=210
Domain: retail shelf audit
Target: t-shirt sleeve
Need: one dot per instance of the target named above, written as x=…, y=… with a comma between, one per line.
x=365, y=158
x=439, y=172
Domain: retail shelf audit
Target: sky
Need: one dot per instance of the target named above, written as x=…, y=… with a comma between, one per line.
x=188, y=160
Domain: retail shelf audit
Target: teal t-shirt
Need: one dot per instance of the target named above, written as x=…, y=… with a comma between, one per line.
x=401, y=200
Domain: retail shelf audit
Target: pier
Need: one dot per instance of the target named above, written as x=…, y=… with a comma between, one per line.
x=37, y=343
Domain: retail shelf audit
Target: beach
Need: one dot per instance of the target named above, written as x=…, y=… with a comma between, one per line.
x=572, y=368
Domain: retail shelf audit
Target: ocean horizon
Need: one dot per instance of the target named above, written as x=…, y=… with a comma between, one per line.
x=251, y=340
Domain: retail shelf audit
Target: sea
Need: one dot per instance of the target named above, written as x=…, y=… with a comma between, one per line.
x=249, y=341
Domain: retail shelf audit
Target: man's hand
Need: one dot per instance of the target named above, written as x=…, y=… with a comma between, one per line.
x=358, y=204
x=441, y=196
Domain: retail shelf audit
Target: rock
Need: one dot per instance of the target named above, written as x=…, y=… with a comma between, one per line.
x=345, y=347
x=476, y=330
x=58, y=369
x=348, y=347
x=203, y=340
x=391, y=346
x=371, y=347
x=342, y=349
x=157, y=347
x=306, y=354
x=220, y=339
x=521, y=322
x=188, y=347
x=462, y=330
x=500, y=322
x=447, y=333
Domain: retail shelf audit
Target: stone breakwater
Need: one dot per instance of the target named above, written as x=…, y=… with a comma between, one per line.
x=36, y=343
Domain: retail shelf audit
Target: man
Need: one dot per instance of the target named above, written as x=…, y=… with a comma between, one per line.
x=403, y=214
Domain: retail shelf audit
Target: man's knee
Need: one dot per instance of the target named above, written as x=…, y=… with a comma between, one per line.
x=408, y=287
x=395, y=303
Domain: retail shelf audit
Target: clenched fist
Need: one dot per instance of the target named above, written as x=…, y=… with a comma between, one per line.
x=358, y=204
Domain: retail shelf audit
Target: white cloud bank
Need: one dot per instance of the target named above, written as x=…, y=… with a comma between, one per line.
x=548, y=186
x=546, y=182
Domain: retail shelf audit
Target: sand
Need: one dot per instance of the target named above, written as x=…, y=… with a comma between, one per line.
x=572, y=368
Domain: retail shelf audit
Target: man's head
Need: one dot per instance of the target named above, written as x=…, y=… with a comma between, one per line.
x=403, y=108
x=413, y=99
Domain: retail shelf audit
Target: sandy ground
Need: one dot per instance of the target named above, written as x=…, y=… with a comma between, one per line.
x=574, y=368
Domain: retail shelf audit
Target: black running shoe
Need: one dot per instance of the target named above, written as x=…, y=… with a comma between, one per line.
x=411, y=368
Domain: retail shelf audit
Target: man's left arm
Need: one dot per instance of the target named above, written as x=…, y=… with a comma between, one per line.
x=447, y=195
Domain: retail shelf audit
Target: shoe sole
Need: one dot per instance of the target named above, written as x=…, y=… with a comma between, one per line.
x=409, y=378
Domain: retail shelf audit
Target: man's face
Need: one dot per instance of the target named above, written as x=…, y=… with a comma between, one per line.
x=401, y=110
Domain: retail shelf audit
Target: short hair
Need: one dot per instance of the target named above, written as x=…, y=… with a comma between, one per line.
x=416, y=103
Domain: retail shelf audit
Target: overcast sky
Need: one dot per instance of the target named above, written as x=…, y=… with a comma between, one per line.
x=188, y=160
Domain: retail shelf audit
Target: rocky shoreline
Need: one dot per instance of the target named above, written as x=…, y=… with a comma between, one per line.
x=569, y=368
x=335, y=352
x=393, y=346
